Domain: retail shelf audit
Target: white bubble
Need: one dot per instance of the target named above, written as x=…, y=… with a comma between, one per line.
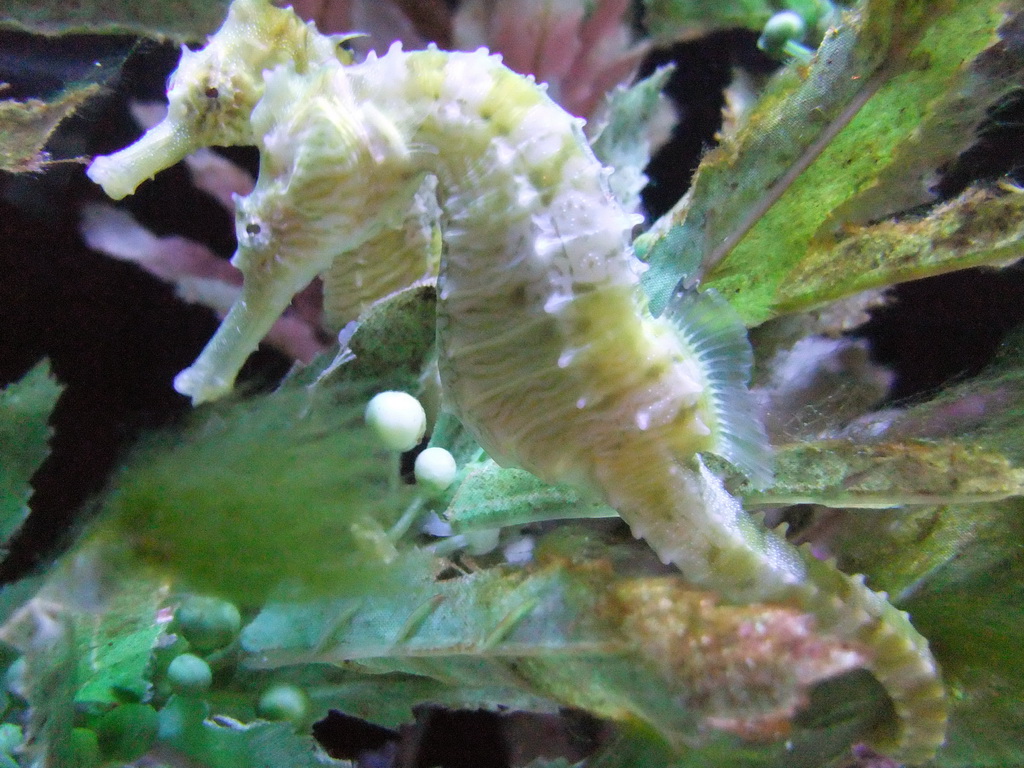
x=398, y=420
x=435, y=468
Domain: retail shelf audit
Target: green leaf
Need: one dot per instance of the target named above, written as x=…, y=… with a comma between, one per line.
x=186, y=734
x=492, y=497
x=892, y=93
x=26, y=126
x=25, y=408
x=623, y=649
x=115, y=645
x=283, y=490
x=846, y=473
x=623, y=142
x=683, y=19
x=180, y=20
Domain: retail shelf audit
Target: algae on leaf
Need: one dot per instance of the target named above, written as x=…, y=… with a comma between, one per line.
x=292, y=479
x=980, y=227
x=647, y=650
x=847, y=473
x=26, y=126
x=895, y=91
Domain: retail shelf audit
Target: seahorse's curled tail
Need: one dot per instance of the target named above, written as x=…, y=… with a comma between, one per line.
x=717, y=544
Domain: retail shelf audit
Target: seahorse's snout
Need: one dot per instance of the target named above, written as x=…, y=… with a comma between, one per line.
x=162, y=146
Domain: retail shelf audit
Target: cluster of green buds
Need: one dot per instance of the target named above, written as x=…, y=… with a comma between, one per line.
x=202, y=646
x=205, y=632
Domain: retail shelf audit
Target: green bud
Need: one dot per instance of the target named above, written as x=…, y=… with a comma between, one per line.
x=283, y=702
x=208, y=623
x=780, y=29
x=188, y=674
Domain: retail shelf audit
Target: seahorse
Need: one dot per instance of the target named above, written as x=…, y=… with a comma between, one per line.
x=211, y=97
x=547, y=351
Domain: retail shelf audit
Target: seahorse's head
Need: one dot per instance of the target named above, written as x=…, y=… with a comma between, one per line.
x=332, y=172
x=213, y=91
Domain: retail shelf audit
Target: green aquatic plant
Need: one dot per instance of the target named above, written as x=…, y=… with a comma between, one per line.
x=568, y=380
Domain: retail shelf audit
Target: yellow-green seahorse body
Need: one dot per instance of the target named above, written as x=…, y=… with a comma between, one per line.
x=547, y=352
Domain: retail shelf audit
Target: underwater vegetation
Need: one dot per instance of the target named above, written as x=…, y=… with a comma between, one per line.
x=541, y=451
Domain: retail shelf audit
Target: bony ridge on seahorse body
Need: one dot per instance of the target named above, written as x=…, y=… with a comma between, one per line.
x=547, y=351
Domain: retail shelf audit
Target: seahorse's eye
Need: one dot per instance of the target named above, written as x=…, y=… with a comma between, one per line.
x=212, y=93
x=253, y=229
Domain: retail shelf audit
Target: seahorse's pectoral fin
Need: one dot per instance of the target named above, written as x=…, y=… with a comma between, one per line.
x=266, y=293
x=715, y=336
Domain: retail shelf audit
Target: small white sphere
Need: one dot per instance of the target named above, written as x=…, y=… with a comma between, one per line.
x=398, y=420
x=435, y=468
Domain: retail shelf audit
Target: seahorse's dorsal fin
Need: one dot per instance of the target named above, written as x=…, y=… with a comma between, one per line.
x=714, y=335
